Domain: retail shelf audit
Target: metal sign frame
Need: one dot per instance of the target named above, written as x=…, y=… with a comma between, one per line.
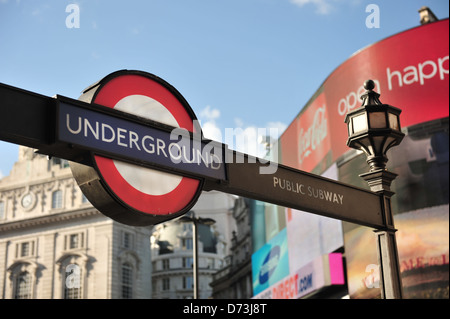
x=286, y=186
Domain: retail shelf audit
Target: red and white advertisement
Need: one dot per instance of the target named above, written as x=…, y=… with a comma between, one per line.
x=308, y=140
x=411, y=72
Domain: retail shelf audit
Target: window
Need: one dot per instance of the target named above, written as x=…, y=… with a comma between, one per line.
x=54, y=161
x=186, y=243
x=2, y=210
x=74, y=241
x=166, y=284
x=25, y=249
x=187, y=227
x=72, y=283
x=57, y=199
x=210, y=263
x=62, y=163
x=166, y=263
x=127, y=240
x=127, y=281
x=188, y=282
x=72, y=275
x=188, y=262
x=23, y=286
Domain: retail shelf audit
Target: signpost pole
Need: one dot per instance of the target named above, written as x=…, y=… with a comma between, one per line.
x=195, y=251
x=388, y=261
x=374, y=128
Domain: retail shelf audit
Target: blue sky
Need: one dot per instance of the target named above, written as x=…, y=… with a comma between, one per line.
x=250, y=64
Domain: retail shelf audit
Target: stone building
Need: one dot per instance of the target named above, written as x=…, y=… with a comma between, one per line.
x=172, y=249
x=234, y=279
x=55, y=244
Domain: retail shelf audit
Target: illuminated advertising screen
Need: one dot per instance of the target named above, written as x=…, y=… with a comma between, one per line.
x=270, y=263
x=318, y=235
x=421, y=207
x=322, y=271
x=410, y=70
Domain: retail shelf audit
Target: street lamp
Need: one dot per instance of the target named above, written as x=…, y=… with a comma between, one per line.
x=374, y=128
x=189, y=217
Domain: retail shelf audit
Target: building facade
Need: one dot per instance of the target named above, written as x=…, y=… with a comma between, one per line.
x=234, y=280
x=55, y=244
x=172, y=249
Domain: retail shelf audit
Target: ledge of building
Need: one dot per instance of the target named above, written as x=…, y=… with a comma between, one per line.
x=48, y=219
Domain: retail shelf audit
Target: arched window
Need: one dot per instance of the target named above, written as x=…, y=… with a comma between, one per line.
x=127, y=281
x=128, y=262
x=23, y=286
x=57, y=199
x=22, y=276
x=73, y=273
x=72, y=287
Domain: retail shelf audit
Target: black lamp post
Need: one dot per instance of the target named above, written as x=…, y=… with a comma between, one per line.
x=374, y=128
x=189, y=217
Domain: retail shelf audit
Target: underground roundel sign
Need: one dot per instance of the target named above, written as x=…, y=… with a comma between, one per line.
x=129, y=193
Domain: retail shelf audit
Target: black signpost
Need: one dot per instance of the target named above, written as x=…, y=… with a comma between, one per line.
x=74, y=130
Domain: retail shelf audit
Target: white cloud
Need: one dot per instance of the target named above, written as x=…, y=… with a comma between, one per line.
x=254, y=140
x=212, y=131
x=210, y=114
x=238, y=122
x=245, y=138
x=208, y=123
x=322, y=6
x=279, y=127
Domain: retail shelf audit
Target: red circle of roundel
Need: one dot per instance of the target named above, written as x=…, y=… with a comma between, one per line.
x=109, y=95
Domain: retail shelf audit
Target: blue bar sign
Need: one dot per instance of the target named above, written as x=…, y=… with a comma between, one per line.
x=105, y=134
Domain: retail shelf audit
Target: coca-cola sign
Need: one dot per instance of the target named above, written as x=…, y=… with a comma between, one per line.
x=311, y=138
x=307, y=140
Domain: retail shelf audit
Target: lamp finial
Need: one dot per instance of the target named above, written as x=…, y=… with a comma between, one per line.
x=370, y=97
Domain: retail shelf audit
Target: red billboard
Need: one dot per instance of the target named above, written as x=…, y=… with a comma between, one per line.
x=309, y=136
x=410, y=70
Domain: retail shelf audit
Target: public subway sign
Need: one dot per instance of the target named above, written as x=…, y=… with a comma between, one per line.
x=117, y=137
x=138, y=154
x=304, y=191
